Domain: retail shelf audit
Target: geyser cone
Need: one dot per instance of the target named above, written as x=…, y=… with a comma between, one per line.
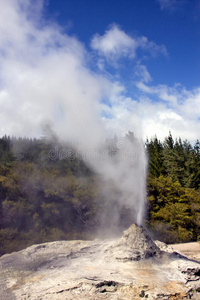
x=136, y=244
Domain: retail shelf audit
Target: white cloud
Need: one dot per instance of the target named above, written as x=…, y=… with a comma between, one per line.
x=142, y=73
x=151, y=46
x=115, y=43
x=170, y=4
x=162, y=91
x=170, y=109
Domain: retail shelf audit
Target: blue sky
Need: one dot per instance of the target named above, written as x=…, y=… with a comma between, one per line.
x=100, y=66
x=175, y=24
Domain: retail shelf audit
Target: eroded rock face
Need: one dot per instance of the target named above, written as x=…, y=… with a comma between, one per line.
x=132, y=267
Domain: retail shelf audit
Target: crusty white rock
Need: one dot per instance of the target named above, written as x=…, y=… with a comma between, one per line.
x=132, y=267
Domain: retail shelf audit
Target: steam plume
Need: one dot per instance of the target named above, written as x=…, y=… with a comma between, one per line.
x=46, y=78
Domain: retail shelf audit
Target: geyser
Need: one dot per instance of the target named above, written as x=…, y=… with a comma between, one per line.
x=127, y=169
x=54, y=83
x=121, y=164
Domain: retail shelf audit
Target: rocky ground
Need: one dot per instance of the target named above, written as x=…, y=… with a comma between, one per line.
x=133, y=267
x=191, y=250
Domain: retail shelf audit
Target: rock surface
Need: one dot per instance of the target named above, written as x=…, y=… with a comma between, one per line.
x=133, y=267
x=191, y=250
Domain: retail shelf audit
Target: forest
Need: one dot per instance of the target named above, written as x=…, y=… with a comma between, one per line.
x=46, y=197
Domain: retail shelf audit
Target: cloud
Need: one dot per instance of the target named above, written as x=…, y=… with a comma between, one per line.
x=171, y=4
x=162, y=91
x=172, y=109
x=115, y=44
x=142, y=73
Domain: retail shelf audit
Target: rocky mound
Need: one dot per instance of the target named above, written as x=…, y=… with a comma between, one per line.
x=136, y=244
x=132, y=267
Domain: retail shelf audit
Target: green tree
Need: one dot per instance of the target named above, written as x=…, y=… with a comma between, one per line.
x=155, y=156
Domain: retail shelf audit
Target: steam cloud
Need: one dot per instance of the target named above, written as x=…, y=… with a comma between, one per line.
x=46, y=78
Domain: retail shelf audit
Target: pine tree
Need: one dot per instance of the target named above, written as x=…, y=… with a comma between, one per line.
x=154, y=151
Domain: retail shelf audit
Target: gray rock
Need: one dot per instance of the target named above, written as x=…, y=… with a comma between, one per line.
x=136, y=244
x=132, y=267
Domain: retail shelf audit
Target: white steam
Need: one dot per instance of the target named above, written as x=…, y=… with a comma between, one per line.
x=45, y=78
